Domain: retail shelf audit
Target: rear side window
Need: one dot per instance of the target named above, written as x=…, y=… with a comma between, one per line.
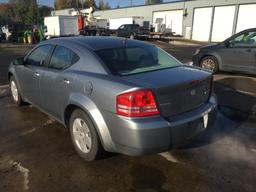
x=128, y=27
x=39, y=55
x=135, y=26
x=62, y=58
x=133, y=60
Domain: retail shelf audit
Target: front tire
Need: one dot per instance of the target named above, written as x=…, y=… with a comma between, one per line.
x=84, y=136
x=15, y=92
x=210, y=63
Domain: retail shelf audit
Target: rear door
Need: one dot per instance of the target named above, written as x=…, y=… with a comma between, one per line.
x=57, y=81
x=240, y=55
x=121, y=31
x=30, y=74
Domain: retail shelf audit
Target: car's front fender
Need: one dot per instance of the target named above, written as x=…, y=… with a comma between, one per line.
x=12, y=72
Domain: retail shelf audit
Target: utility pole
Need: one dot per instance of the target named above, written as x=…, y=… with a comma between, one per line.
x=77, y=4
x=131, y=3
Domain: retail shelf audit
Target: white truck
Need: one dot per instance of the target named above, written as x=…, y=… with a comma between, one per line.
x=59, y=26
x=114, y=24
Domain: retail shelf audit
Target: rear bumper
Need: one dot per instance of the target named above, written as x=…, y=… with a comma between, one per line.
x=157, y=134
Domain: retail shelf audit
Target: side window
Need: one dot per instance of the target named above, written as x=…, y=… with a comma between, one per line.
x=135, y=26
x=62, y=58
x=39, y=55
x=128, y=27
x=121, y=27
x=247, y=39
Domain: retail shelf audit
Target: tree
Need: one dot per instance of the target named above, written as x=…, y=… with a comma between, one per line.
x=89, y=3
x=44, y=11
x=152, y=2
x=103, y=5
x=7, y=13
x=32, y=16
x=65, y=4
x=21, y=10
x=24, y=2
x=26, y=11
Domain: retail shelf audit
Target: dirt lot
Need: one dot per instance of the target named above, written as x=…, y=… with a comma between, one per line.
x=36, y=153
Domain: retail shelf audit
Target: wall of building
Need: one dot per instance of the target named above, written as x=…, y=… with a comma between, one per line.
x=62, y=12
x=189, y=6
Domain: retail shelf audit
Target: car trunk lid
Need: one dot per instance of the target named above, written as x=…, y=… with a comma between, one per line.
x=177, y=90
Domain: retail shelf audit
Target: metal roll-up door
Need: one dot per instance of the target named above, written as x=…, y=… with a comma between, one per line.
x=202, y=24
x=246, y=17
x=223, y=23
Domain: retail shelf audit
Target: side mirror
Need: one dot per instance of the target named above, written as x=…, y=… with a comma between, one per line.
x=18, y=61
x=227, y=44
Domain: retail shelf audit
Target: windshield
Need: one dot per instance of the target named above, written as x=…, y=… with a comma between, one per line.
x=133, y=60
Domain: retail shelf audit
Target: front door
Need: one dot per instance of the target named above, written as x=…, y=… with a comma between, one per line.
x=240, y=55
x=29, y=75
x=121, y=32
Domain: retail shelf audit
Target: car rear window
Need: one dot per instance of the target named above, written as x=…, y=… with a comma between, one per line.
x=133, y=60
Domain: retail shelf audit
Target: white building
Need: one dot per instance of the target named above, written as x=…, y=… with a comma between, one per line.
x=202, y=20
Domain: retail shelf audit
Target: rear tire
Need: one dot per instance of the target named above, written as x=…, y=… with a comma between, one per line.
x=15, y=92
x=84, y=136
x=210, y=63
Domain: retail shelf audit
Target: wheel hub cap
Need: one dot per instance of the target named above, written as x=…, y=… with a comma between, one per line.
x=208, y=64
x=14, y=91
x=82, y=135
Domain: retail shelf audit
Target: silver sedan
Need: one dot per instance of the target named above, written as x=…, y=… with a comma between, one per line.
x=115, y=94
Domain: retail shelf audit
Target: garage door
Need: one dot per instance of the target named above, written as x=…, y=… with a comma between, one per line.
x=246, y=17
x=202, y=24
x=223, y=23
x=172, y=19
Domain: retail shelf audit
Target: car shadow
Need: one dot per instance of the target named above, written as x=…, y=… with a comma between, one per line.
x=237, y=97
x=234, y=108
x=222, y=127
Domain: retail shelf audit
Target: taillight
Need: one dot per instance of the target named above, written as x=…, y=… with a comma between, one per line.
x=139, y=103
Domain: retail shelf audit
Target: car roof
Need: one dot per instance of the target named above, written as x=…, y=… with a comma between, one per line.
x=99, y=43
x=250, y=29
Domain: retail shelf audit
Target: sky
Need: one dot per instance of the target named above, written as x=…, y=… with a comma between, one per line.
x=113, y=3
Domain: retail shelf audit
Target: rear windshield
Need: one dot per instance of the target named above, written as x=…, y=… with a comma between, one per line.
x=133, y=60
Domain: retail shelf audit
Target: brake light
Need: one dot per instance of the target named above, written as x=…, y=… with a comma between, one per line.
x=139, y=103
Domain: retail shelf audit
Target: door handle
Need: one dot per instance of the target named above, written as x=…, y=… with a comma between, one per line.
x=248, y=50
x=37, y=74
x=66, y=81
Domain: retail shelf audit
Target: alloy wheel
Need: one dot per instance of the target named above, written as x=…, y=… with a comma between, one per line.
x=14, y=91
x=209, y=64
x=82, y=135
